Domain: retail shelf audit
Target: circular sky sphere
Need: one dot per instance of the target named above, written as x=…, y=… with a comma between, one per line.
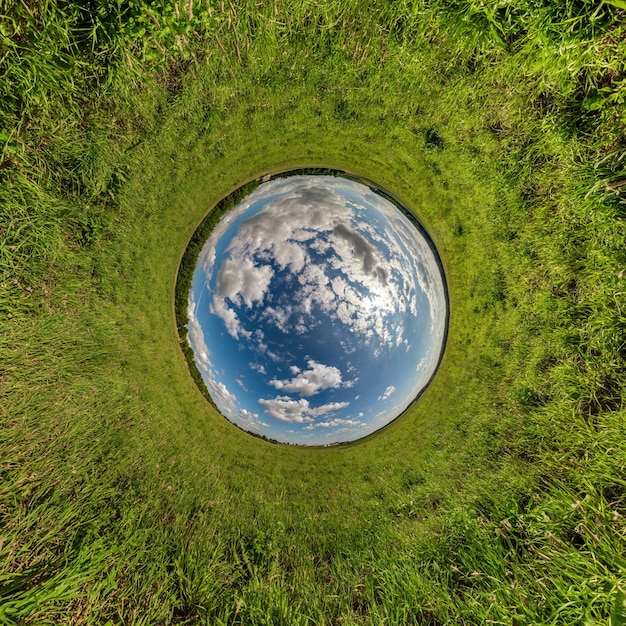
x=317, y=311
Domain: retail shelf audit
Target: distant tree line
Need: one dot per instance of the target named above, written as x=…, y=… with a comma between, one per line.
x=187, y=267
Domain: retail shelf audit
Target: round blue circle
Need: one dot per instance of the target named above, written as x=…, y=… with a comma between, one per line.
x=317, y=311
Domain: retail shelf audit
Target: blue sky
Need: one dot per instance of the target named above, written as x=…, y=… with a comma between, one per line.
x=317, y=311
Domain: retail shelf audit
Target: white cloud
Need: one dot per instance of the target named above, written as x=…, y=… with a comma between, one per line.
x=362, y=275
x=243, y=281
x=233, y=325
x=289, y=254
x=258, y=367
x=334, y=423
x=387, y=393
x=299, y=210
x=343, y=265
x=239, y=281
x=221, y=394
x=195, y=338
x=363, y=250
x=250, y=421
x=226, y=401
x=280, y=316
x=309, y=382
x=286, y=409
x=274, y=356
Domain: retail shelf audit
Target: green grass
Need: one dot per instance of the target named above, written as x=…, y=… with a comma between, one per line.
x=498, y=498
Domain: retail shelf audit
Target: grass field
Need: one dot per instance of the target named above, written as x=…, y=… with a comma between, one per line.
x=499, y=498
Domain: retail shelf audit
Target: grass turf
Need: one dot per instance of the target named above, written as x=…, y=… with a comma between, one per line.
x=498, y=498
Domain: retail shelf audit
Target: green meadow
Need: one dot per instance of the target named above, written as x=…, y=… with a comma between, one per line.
x=498, y=498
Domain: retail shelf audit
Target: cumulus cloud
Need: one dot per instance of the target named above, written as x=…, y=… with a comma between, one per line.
x=308, y=228
x=243, y=280
x=195, y=337
x=225, y=400
x=305, y=250
x=300, y=215
x=239, y=281
x=233, y=325
x=363, y=250
x=387, y=393
x=221, y=395
x=311, y=381
x=335, y=423
x=250, y=421
x=286, y=409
